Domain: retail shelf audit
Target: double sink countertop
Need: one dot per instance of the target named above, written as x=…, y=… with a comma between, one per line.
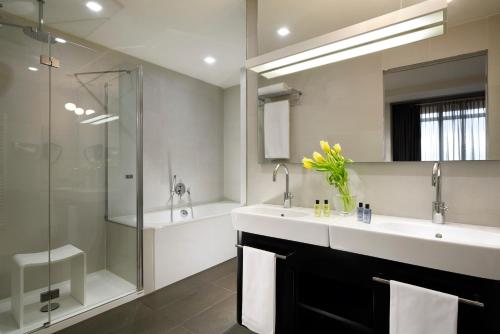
x=461, y=248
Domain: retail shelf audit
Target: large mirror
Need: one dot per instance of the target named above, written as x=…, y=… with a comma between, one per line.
x=435, y=99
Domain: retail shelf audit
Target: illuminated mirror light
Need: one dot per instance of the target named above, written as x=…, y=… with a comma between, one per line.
x=70, y=106
x=89, y=112
x=33, y=69
x=372, y=36
x=356, y=52
x=94, y=6
x=79, y=111
x=428, y=17
x=209, y=60
x=283, y=31
x=93, y=119
x=109, y=119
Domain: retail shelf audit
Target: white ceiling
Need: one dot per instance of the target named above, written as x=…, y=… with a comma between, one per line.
x=170, y=33
x=178, y=34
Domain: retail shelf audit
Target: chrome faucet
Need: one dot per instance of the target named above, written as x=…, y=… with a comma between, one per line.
x=439, y=208
x=287, y=196
x=173, y=183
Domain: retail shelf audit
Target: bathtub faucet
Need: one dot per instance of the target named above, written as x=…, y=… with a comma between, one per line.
x=179, y=189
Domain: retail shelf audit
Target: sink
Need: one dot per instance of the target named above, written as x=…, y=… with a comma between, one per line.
x=466, y=249
x=277, y=211
x=295, y=224
x=449, y=233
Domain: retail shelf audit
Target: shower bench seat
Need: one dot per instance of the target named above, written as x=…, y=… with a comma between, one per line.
x=76, y=256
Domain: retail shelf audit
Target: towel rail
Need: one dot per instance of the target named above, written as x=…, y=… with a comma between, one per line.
x=461, y=300
x=282, y=257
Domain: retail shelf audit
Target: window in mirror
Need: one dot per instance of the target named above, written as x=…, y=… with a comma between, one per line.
x=438, y=110
x=451, y=129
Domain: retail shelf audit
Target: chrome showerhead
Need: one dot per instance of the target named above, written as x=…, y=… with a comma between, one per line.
x=35, y=33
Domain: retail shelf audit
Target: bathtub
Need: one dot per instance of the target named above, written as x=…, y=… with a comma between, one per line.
x=173, y=251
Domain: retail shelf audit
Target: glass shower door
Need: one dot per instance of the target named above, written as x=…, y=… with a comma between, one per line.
x=24, y=177
x=93, y=126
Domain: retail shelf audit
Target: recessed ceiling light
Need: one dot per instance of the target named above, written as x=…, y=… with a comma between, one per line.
x=60, y=40
x=283, y=31
x=94, y=6
x=31, y=68
x=448, y=1
x=209, y=60
x=89, y=112
x=79, y=111
x=70, y=106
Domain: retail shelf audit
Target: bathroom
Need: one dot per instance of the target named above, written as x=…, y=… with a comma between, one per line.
x=179, y=130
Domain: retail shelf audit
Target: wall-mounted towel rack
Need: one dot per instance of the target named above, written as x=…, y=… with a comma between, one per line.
x=291, y=94
x=282, y=257
x=461, y=300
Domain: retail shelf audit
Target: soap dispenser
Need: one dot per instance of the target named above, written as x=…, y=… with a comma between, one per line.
x=360, y=211
x=367, y=214
x=326, y=208
x=317, y=209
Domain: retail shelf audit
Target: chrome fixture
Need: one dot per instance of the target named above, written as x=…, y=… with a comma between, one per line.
x=461, y=300
x=179, y=189
x=190, y=202
x=173, y=184
x=287, y=196
x=37, y=32
x=439, y=208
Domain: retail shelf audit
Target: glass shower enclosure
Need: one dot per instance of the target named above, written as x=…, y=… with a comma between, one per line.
x=70, y=166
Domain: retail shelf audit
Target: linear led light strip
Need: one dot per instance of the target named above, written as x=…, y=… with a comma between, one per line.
x=405, y=22
x=359, y=51
x=100, y=119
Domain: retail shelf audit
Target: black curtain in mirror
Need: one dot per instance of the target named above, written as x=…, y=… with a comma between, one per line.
x=406, y=136
x=444, y=129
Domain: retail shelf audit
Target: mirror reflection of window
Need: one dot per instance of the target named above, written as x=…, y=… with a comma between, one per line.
x=451, y=129
x=438, y=110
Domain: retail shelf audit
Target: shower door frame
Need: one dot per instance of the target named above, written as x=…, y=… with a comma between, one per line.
x=139, y=163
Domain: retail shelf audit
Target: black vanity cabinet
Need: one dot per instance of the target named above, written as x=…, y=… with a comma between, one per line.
x=321, y=290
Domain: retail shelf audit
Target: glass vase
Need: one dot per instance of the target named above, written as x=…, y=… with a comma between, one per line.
x=344, y=203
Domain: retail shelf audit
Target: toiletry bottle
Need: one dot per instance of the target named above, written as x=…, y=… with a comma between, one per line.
x=317, y=209
x=367, y=214
x=359, y=212
x=326, y=209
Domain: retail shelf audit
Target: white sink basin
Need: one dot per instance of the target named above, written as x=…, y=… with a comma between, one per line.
x=450, y=233
x=296, y=224
x=277, y=211
x=465, y=249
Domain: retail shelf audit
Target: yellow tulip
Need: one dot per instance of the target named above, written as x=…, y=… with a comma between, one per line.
x=324, y=146
x=337, y=148
x=318, y=157
x=308, y=163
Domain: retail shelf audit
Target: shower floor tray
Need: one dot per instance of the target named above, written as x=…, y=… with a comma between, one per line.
x=102, y=286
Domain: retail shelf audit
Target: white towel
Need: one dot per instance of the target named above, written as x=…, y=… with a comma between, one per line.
x=277, y=130
x=415, y=310
x=275, y=89
x=259, y=290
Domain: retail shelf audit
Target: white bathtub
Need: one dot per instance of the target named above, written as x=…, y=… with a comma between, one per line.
x=173, y=251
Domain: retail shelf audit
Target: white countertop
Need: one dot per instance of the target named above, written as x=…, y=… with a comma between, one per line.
x=462, y=248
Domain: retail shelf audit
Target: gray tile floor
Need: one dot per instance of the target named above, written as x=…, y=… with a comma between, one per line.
x=204, y=303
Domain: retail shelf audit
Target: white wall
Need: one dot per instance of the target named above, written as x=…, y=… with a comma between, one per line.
x=183, y=135
x=232, y=143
